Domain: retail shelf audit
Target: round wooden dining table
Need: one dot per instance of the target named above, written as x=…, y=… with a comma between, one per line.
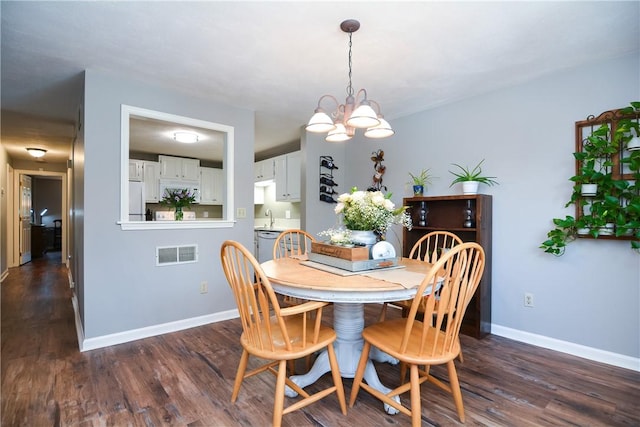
x=348, y=292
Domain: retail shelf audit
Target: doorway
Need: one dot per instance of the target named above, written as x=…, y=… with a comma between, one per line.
x=46, y=217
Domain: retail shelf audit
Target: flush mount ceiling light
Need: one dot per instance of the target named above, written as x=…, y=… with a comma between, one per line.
x=36, y=152
x=356, y=112
x=186, y=137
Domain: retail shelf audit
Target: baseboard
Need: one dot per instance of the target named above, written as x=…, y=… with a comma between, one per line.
x=79, y=329
x=4, y=275
x=151, y=331
x=585, y=352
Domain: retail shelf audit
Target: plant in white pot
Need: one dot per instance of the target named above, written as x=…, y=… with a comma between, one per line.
x=471, y=178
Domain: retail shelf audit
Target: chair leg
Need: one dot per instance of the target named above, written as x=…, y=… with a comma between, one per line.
x=278, y=405
x=455, y=389
x=403, y=372
x=337, y=378
x=357, y=380
x=242, y=367
x=383, y=313
x=416, y=410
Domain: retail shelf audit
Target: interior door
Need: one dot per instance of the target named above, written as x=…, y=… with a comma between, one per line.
x=25, y=219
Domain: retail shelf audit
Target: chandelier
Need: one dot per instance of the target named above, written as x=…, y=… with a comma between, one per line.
x=356, y=113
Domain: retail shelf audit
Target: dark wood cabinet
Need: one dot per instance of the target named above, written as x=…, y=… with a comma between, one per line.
x=450, y=213
x=38, y=240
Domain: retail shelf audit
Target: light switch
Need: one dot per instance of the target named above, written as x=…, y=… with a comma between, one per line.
x=241, y=213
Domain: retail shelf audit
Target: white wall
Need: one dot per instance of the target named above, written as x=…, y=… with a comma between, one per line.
x=590, y=296
x=122, y=288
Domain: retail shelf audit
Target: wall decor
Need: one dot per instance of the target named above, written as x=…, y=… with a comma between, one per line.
x=606, y=184
x=327, y=184
x=377, y=158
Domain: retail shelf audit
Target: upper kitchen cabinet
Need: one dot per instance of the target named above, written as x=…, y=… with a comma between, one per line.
x=136, y=170
x=264, y=170
x=151, y=172
x=211, y=186
x=287, y=177
x=179, y=168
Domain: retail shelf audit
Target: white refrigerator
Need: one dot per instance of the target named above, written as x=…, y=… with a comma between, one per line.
x=136, y=201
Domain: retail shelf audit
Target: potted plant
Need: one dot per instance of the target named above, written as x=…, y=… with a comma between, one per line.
x=471, y=178
x=595, y=160
x=420, y=181
x=629, y=223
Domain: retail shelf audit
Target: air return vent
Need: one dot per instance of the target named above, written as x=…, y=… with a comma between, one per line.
x=169, y=255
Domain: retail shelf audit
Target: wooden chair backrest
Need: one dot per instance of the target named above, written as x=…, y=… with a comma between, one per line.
x=292, y=242
x=459, y=270
x=257, y=303
x=433, y=245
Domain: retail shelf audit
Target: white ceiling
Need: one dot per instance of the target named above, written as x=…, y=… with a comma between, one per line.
x=278, y=58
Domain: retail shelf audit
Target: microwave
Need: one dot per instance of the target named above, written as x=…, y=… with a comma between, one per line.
x=178, y=184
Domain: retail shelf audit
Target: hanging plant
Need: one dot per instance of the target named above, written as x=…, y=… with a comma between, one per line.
x=614, y=208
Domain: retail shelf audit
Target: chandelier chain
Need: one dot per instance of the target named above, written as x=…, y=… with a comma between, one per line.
x=350, y=87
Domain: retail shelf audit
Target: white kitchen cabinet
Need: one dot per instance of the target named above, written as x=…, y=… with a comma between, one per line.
x=135, y=170
x=211, y=186
x=179, y=168
x=151, y=171
x=287, y=177
x=264, y=170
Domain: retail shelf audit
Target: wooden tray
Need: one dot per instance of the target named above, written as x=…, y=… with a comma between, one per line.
x=360, y=253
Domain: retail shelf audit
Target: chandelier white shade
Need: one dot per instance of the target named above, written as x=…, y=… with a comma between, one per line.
x=383, y=130
x=357, y=112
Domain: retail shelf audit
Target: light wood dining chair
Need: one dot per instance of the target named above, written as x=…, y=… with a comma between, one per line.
x=421, y=344
x=429, y=248
x=293, y=243
x=276, y=335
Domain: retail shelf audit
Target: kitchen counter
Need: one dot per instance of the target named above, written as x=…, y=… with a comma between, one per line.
x=280, y=229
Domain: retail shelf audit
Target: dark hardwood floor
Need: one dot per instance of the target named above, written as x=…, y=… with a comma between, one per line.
x=185, y=378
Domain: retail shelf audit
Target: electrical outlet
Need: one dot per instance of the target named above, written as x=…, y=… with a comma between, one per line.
x=204, y=287
x=241, y=213
x=528, y=299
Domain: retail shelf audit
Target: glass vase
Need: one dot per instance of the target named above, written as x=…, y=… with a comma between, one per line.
x=179, y=214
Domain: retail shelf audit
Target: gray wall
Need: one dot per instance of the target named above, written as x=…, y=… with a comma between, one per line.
x=590, y=296
x=47, y=193
x=316, y=215
x=122, y=288
x=4, y=166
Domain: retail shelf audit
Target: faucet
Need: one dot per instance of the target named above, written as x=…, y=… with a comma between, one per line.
x=270, y=215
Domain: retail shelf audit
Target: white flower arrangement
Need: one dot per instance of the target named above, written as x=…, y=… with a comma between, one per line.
x=370, y=210
x=337, y=236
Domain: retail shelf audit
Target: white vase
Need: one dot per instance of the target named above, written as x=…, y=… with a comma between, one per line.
x=634, y=144
x=589, y=189
x=607, y=230
x=364, y=237
x=470, y=187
